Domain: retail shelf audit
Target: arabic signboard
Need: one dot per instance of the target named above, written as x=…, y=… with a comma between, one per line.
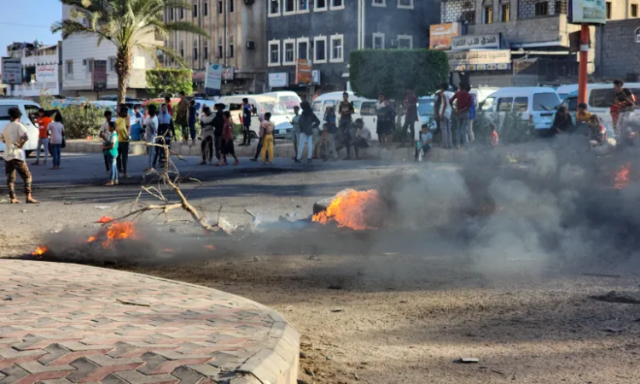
x=277, y=80
x=476, y=42
x=11, y=70
x=213, y=79
x=99, y=75
x=47, y=73
x=482, y=60
x=303, y=72
x=440, y=35
x=587, y=11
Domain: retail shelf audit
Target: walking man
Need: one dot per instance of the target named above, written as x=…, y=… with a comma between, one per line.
x=410, y=117
x=463, y=101
x=246, y=122
x=441, y=115
x=43, y=136
x=151, y=132
x=308, y=121
x=625, y=102
x=345, y=109
x=14, y=136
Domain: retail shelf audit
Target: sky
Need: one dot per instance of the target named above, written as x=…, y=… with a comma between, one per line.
x=28, y=20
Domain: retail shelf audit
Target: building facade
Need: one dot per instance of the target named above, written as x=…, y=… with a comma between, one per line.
x=618, y=50
x=79, y=53
x=236, y=40
x=535, y=33
x=41, y=70
x=326, y=31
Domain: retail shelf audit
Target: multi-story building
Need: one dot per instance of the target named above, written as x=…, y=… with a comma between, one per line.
x=533, y=35
x=326, y=31
x=79, y=53
x=40, y=69
x=618, y=49
x=236, y=40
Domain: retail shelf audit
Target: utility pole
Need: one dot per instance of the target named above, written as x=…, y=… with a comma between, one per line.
x=582, y=69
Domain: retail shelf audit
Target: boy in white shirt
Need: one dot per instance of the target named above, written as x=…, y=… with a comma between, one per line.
x=14, y=136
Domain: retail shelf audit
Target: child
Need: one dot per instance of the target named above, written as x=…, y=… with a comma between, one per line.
x=110, y=150
x=493, y=135
x=57, y=136
x=583, y=115
x=266, y=135
x=362, y=137
x=104, y=136
x=330, y=134
x=227, y=140
x=424, y=144
x=597, y=132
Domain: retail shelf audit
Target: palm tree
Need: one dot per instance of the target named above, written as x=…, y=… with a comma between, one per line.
x=127, y=24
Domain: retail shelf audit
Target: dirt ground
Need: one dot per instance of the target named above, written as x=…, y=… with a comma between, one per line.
x=387, y=317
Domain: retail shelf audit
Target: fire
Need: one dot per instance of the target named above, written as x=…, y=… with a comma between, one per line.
x=357, y=210
x=210, y=247
x=115, y=231
x=168, y=250
x=40, y=250
x=91, y=239
x=105, y=219
x=622, y=177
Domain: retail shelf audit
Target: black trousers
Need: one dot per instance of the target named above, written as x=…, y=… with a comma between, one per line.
x=160, y=151
x=408, y=124
x=123, y=157
x=207, y=148
x=246, y=131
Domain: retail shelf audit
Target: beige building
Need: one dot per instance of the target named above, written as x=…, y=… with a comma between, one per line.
x=237, y=40
x=536, y=33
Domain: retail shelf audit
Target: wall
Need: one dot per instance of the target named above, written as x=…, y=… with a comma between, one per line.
x=393, y=21
x=617, y=53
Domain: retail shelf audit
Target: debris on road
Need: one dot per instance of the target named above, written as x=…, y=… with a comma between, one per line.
x=468, y=360
x=336, y=310
x=623, y=297
x=128, y=302
x=226, y=226
x=102, y=207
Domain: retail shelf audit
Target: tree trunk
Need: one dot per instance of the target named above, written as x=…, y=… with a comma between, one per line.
x=123, y=65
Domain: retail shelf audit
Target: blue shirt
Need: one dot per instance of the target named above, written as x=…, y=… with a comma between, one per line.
x=246, y=115
x=472, y=109
x=164, y=118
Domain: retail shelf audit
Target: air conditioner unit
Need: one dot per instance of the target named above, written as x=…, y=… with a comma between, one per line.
x=251, y=45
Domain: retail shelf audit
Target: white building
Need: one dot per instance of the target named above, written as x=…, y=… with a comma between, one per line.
x=40, y=69
x=80, y=51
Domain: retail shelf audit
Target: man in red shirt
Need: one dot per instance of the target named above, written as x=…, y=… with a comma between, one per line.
x=43, y=122
x=463, y=100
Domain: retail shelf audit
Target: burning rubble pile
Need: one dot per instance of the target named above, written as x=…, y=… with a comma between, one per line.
x=358, y=210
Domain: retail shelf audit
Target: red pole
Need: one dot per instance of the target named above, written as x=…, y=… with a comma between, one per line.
x=582, y=70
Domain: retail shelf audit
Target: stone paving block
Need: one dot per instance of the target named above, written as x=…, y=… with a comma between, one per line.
x=135, y=377
x=12, y=374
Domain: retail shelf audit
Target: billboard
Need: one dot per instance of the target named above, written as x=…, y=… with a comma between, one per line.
x=47, y=73
x=587, y=11
x=303, y=72
x=11, y=70
x=213, y=79
x=280, y=79
x=440, y=35
x=476, y=42
x=99, y=75
x=480, y=60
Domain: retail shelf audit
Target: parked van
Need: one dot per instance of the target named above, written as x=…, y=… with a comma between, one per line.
x=536, y=104
x=29, y=111
x=288, y=99
x=564, y=90
x=364, y=109
x=262, y=104
x=426, y=108
x=600, y=98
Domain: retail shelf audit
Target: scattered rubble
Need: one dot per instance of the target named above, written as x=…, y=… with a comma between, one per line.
x=623, y=297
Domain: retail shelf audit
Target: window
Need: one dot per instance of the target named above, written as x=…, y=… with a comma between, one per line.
x=4, y=111
x=487, y=15
x=505, y=13
x=303, y=48
x=289, y=7
x=195, y=10
x=205, y=9
x=111, y=64
x=171, y=14
x=181, y=13
x=379, y=3
x=337, y=4
x=545, y=101
x=68, y=65
x=320, y=44
x=274, y=7
x=303, y=6
x=230, y=53
x=89, y=65
x=378, y=41
x=405, y=42
x=320, y=5
x=561, y=7
x=609, y=10
x=274, y=53
x=521, y=104
x=469, y=17
x=289, y=47
x=405, y=4
x=231, y=4
x=637, y=34
x=368, y=108
x=220, y=7
x=505, y=104
x=634, y=10
x=542, y=9
x=337, y=49
x=206, y=52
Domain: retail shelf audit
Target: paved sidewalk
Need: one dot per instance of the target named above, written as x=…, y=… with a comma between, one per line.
x=66, y=323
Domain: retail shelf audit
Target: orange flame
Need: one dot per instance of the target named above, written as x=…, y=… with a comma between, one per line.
x=91, y=239
x=622, y=177
x=115, y=231
x=105, y=219
x=353, y=209
x=40, y=250
x=211, y=247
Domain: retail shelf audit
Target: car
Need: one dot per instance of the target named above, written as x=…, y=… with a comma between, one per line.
x=29, y=111
x=535, y=104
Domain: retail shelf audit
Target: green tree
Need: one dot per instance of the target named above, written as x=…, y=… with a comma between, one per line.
x=169, y=81
x=392, y=71
x=127, y=24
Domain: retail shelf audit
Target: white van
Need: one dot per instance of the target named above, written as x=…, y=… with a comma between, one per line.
x=536, y=104
x=262, y=104
x=29, y=110
x=288, y=99
x=364, y=109
x=564, y=90
x=600, y=98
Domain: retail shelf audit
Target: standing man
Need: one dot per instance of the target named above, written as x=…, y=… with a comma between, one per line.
x=625, y=102
x=463, y=101
x=165, y=133
x=246, y=122
x=295, y=123
x=381, y=128
x=472, y=114
x=14, y=136
x=182, y=117
x=411, y=115
x=43, y=135
x=151, y=132
x=218, y=128
x=345, y=109
x=167, y=101
x=193, y=109
x=441, y=115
